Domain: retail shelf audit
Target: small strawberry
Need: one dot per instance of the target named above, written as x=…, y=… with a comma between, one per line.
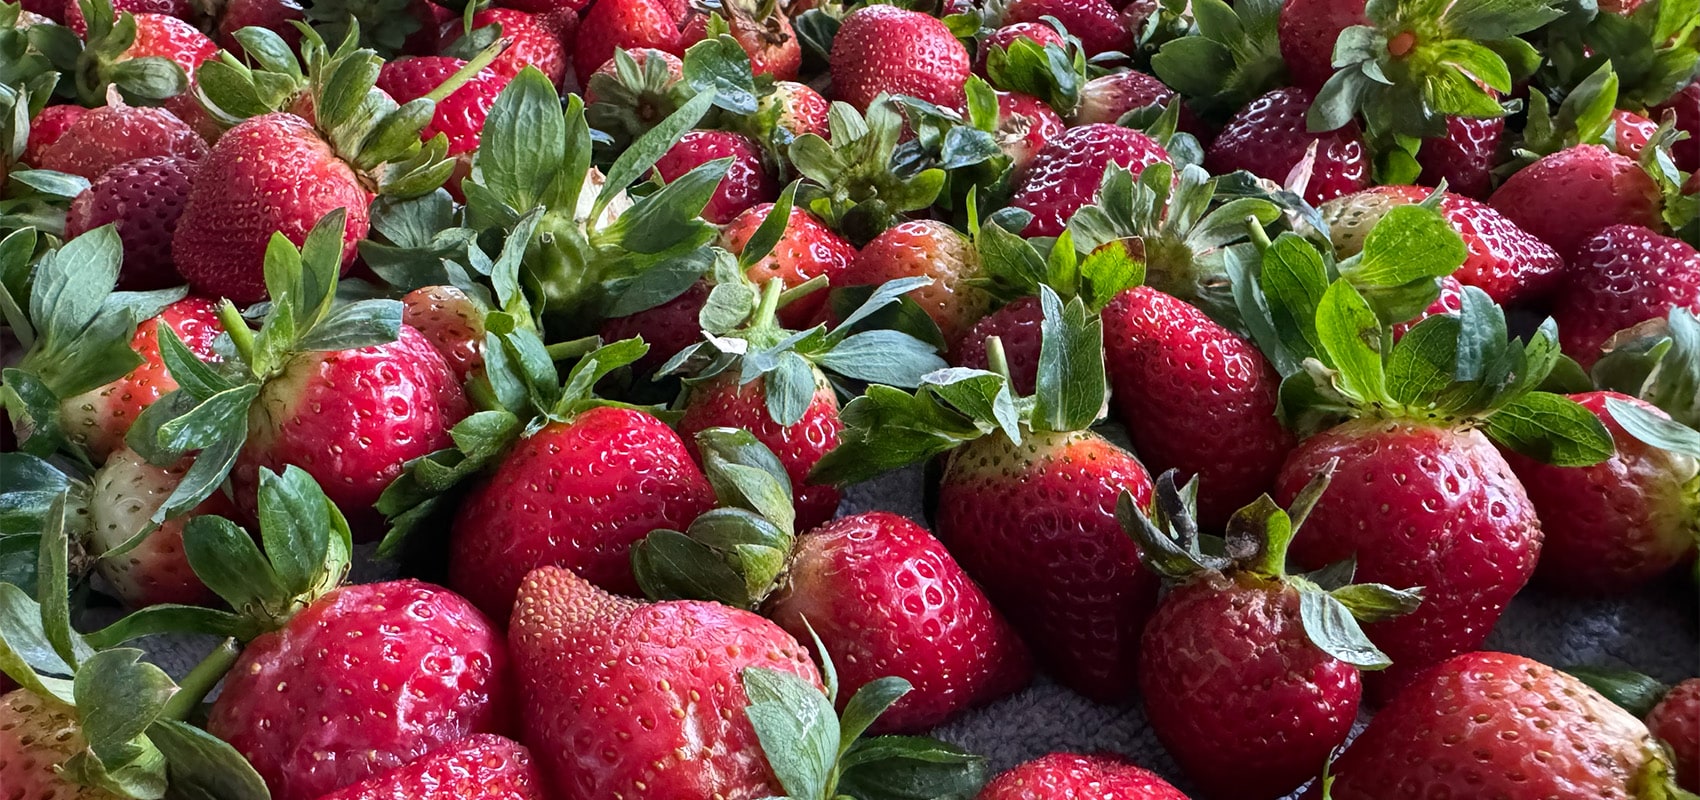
x=1016, y=326
x=1623, y=275
x=452, y=322
x=1025, y=126
x=747, y=181
x=108, y=136
x=1619, y=524
x=49, y=124
x=1095, y=23
x=623, y=24
x=143, y=199
x=1038, y=33
x=1676, y=722
x=483, y=765
x=797, y=108
x=125, y=494
x=1632, y=133
x=531, y=43
x=884, y=49
x=1497, y=725
x=1247, y=692
x=1066, y=174
x=763, y=30
x=1568, y=196
x=927, y=249
x=1065, y=776
x=806, y=249
x=1269, y=139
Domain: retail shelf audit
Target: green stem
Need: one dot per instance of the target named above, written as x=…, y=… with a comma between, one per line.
x=802, y=290
x=562, y=351
x=200, y=681
x=240, y=334
x=997, y=361
x=769, y=304
x=466, y=73
x=1259, y=236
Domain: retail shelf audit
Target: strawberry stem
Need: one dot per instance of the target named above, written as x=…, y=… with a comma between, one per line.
x=996, y=360
x=240, y=334
x=769, y=304
x=802, y=290
x=1259, y=236
x=200, y=681
x=467, y=72
x=562, y=351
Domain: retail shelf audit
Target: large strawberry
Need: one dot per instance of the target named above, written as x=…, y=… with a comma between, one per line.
x=1621, y=276
x=1027, y=499
x=1065, y=175
x=484, y=765
x=1064, y=776
x=1269, y=138
x=142, y=199
x=1308, y=30
x=806, y=249
x=1569, y=196
x=1498, y=725
x=884, y=49
x=1249, y=675
x=926, y=249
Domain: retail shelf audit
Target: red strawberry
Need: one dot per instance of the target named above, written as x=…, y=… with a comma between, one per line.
x=1504, y=260
x=1686, y=106
x=271, y=173
x=1107, y=97
x=887, y=599
x=362, y=681
x=99, y=419
x=1623, y=275
x=1065, y=776
x=1017, y=327
x=36, y=737
x=532, y=43
x=108, y=136
x=762, y=30
x=143, y=199
x=642, y=701
x=485, y=766
x=627, y=24
x=1039, y=33
x=351, y=419
x=722, y=402
x=452, y=322
x=546, y=6
x=1496, y=725
x=1568, y=196
x=1619, y=524
x=666, y=328
x=801, y=109
x=73, y=13
x=1095, y=22
x=747, y=181
x=168, y=37
x=126, y=492
x=1632, y=132
x=1419, y=505
x=460, y=116
x=1464, y=157
x=1676, y=722
x=1065, y=175
x=1025, y=125
x=886, y=49
x=1269, y=139
x=1195, y=397
x=1308, y=30
x=640, y=56
x=47, y=127
x=807, y=248
x=1450, y=301
x=273, y=15
x=931, y=249
x=609, y=476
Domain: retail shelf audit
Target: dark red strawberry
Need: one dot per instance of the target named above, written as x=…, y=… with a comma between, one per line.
x=47, y=127
x=125, y=493
x=1016, y=326
x=1025, y=125
x=1065, y=175
x=747, y=181
x=884, y=49
x=628, y=24
x=1676, y=722
x=1568, y=196
x=1269, y=138
x=1686, y=106
x=485, y=766
x=532, y=43
x=932, y=249
x=807, y=249
x=1039, y=33
x=143, y=199
x=1465, y=157
x=1096, y=23
x=362, y=681
x=1622, y=275
x=460, y=116
x=1308, y=30
x=108, y=136
x=666, y=328
x=1107, y=97
x=1066, y=776
x=273, y=15
x=452, y=322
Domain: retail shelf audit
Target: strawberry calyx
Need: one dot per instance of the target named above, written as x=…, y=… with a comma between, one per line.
x=1657, y=361
x=634, y=97
x=101, y=61
x=382, y=25
x=855, y=182
x=1583, y=117
x=1234, y=59
x=1653, y=49
x=1632, y=691
x=1254, y=551
x=1054, y=73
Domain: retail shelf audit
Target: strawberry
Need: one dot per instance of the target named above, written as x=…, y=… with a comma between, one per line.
x=1450, y=301
x=143, y=200
x=1016, y=325
x=1676, y=722
x=1497, y=725
x=667, y=328
x=1038, y=33
x=364, y=680
x=162, y=36
x=1064, y=776
x=928, y=249
x=1195, y=397
x=1249, y=694
x=1025, y=125
x=888, y=50
x=452, y=322
x=1568, y=196
x=886, y=599
x=652, y=691
x=1107, y=97
x=671, y=67
x=1308, y=31
x=1686, y=106
x=623, y=24
x=483, y=765
x=531, y=43
x=36, y=736
x=49, y=124
x=1619, y=524
x=747, y=181
x=74, y=19
x=1269, y=139
x=1464, y=157
x=806, y=249
x=797, y=108
x=460, y=116
x=1633, y=132
x=108, y=136
x=1505, y=261
x=1623, y=275
x=1095, y=23
x=272, y=15
x=126, y=492
x=764, y=32
x=1065, y=175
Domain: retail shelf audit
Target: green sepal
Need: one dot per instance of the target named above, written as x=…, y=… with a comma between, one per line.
x=1633, y=691
x=855, y=183
x=1053, y=73
x=103, y=73
x=1652, y=49
x=1235, y=57
x=1071, y=388
x=383, y=25
x=1659, y=362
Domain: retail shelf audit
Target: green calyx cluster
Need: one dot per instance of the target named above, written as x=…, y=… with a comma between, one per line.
x=888, y=428
x=96, y=64
x=1235, y=57
x=1327, y=327
x=1255, y=545
x=1659, y=362
x=858, y=183
x=636, y=97
x=380, y=25
x=1014, y=267
x=1654, y=49
x=1051, y=72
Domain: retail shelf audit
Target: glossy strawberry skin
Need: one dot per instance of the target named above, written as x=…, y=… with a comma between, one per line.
x=1619, y=524
x=1418, y=505
x=269, y=174
x=747, y=181
x=452, y=323
x=352, y=419
x=1623, y=275
x=110, y=135
x=1268, y=138
x=1686, y=106
x=722, y=403
x=932, y=249
x=666, y=328
x=48, y=125
x=1464, y=157
x=533, y=44
x=886, y=49
x=576, y=495
x=887, y=599
x=36, y=736
x=1107, y=97
x=127, y=490
x=1025, y=126
x=461, y=115
x=484, y=765
x=1567, y=197
x=642, y=701
x=168, y=37
x=1095, y=22
x=1308, y=30
x=1676, y=722
x=807, y=248
x=802, y=109
x=1494, y=725
x=366, y=679
x=1195, y=397
x=1065, y=175
x=628, y=24
x=99, y=419
x=1035, y=525
x=143, y=199
x=1062, y=776
x=1017, y=327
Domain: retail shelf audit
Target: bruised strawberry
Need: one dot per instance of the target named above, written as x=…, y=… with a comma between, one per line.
x=884, y=49
x=143, y=199
x=808, y=248
x=1269, y=139
x=1568, y=196
x=1623, y=275
x=1065, y=175
x=452, y=322
x=933, y=249
x=125, y=494
x=484, y=765
x=1063, y=776
x=115, y=133
x=747, y=180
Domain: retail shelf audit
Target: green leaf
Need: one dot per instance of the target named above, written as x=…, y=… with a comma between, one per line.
x=226, y=559
x=771, y=229
x=789, y=389
x=1374, y=602
x=1410, y=243
x=910, y=768
x=983, y=396
x=888, y=428
x=797, y=728
x=1498, y=19
x=1294, y=279
x=1635, y=692
x=524, y=141
x=1331, y=627
x=669, y=565
x=300, y=528
x=745, y=474
x=1351, y=336
x=1071, y=385
x=1551, y=429
x=719, y=67
x=203, y=767
x=642, y=155
x=360, y=324
x=118, y=697
x=866, y=706
x=893, y=358
x=1653, y=428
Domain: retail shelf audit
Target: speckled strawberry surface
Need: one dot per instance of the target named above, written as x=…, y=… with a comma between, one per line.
x=125, y=493
x=1017, y=328
x=47, y=127
x=927, y=248
x=807, y=248
x=74, y=19
x=666, y=328
x=452, y=322
x=1464, y=157
x=1107, y=97
x=162, y=36
x=144, y=198
x=36, y=736
x=890, y=50
x=1269, y=139
x=110, y=135
x=1308, y=30
x=1025, y=126
x=460, y=116
x=1065, y=175
x=1623, y=275
x=1676, y=722
x=534, y=43
x=747, y=180
x=1067, y=776
x=1568, y=196
x=485, y=766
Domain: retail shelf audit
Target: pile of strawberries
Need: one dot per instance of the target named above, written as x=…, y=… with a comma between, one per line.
x=1254, y=356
